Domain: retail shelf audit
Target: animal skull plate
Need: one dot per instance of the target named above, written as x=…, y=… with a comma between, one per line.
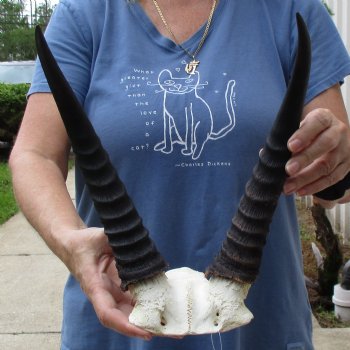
x=183, y=301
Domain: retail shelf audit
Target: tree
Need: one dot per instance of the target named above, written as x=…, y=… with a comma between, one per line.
x=17, y=29
x=11, y=15
x=329, y=271
x=43, y=13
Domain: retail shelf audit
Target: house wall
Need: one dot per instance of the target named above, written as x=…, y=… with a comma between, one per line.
x=341, y=9
x=340, y=215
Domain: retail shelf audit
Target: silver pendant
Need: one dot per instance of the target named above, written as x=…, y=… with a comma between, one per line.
x=191, y=67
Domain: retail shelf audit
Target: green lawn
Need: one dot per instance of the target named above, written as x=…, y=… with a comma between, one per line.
x=8, y=206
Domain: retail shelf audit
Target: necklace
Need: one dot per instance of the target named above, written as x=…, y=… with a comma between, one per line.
x=190, y=67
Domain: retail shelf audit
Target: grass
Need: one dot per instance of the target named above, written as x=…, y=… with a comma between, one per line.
x=328, y=319
x=8, y=205
x=305, y=234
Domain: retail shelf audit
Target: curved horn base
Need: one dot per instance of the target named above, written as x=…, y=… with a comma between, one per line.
x=183, y=302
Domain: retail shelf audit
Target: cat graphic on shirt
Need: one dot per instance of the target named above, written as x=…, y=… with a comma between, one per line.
x=193, y=127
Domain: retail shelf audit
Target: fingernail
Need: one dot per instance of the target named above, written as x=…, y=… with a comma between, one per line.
x=295, y=145
x=289, y=188
x=292, y=167
x=301, y=192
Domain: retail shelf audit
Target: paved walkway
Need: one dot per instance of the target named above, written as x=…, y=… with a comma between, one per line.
x=31, y=283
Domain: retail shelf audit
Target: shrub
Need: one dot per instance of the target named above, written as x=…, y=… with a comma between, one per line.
x=12, y=105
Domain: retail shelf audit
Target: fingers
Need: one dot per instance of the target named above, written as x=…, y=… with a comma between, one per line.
x=114, y=316
x=112, y=306
x=320, y=153
x=324, y=144
x=94, y=267
x=311, y=126
x=319, y=134
x=314, y=178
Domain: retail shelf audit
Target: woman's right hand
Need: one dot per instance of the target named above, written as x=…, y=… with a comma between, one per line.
x=90, y=259
x=39, y=168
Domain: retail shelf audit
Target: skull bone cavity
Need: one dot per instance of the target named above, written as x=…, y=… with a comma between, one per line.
x=182, y=302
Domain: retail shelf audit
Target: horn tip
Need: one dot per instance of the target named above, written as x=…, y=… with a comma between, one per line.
x=300, y=22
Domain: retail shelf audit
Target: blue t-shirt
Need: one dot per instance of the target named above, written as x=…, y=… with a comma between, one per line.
x=185, y=145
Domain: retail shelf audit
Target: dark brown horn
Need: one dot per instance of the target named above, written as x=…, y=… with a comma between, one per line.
x=241, y=252
x=135, y=254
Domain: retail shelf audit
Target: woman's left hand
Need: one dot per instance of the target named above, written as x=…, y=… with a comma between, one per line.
x=320, y=153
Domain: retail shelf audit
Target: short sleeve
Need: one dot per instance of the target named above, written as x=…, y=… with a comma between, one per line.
x=330, y=59
x=69, y=40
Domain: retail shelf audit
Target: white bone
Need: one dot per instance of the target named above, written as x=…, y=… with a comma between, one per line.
x=182, y=301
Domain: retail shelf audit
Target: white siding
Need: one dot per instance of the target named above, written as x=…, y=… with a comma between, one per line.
x=341, y=9
x=340, y=215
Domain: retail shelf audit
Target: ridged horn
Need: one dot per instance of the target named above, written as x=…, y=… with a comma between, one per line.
x=240, y=255
x=135, y=254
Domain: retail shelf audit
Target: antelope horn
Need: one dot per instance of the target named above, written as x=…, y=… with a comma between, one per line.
x=217, y=304
x=135, y=254
x=184, y=301
x=241, y=252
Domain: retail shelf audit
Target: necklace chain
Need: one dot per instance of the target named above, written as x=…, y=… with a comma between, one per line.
x=190, y=67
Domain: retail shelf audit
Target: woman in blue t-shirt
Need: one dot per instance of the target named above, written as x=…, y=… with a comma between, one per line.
x=148, y=73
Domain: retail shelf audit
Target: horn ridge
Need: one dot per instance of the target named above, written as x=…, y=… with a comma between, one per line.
x=234, y=270
x=138, y=234
x=107, y=209
x=131, y=273
x=247, y=228
x=247, y=240
x=142, y=249
x=230, y=246
x=261, y=210
x=241, y=262
x=136, y=255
